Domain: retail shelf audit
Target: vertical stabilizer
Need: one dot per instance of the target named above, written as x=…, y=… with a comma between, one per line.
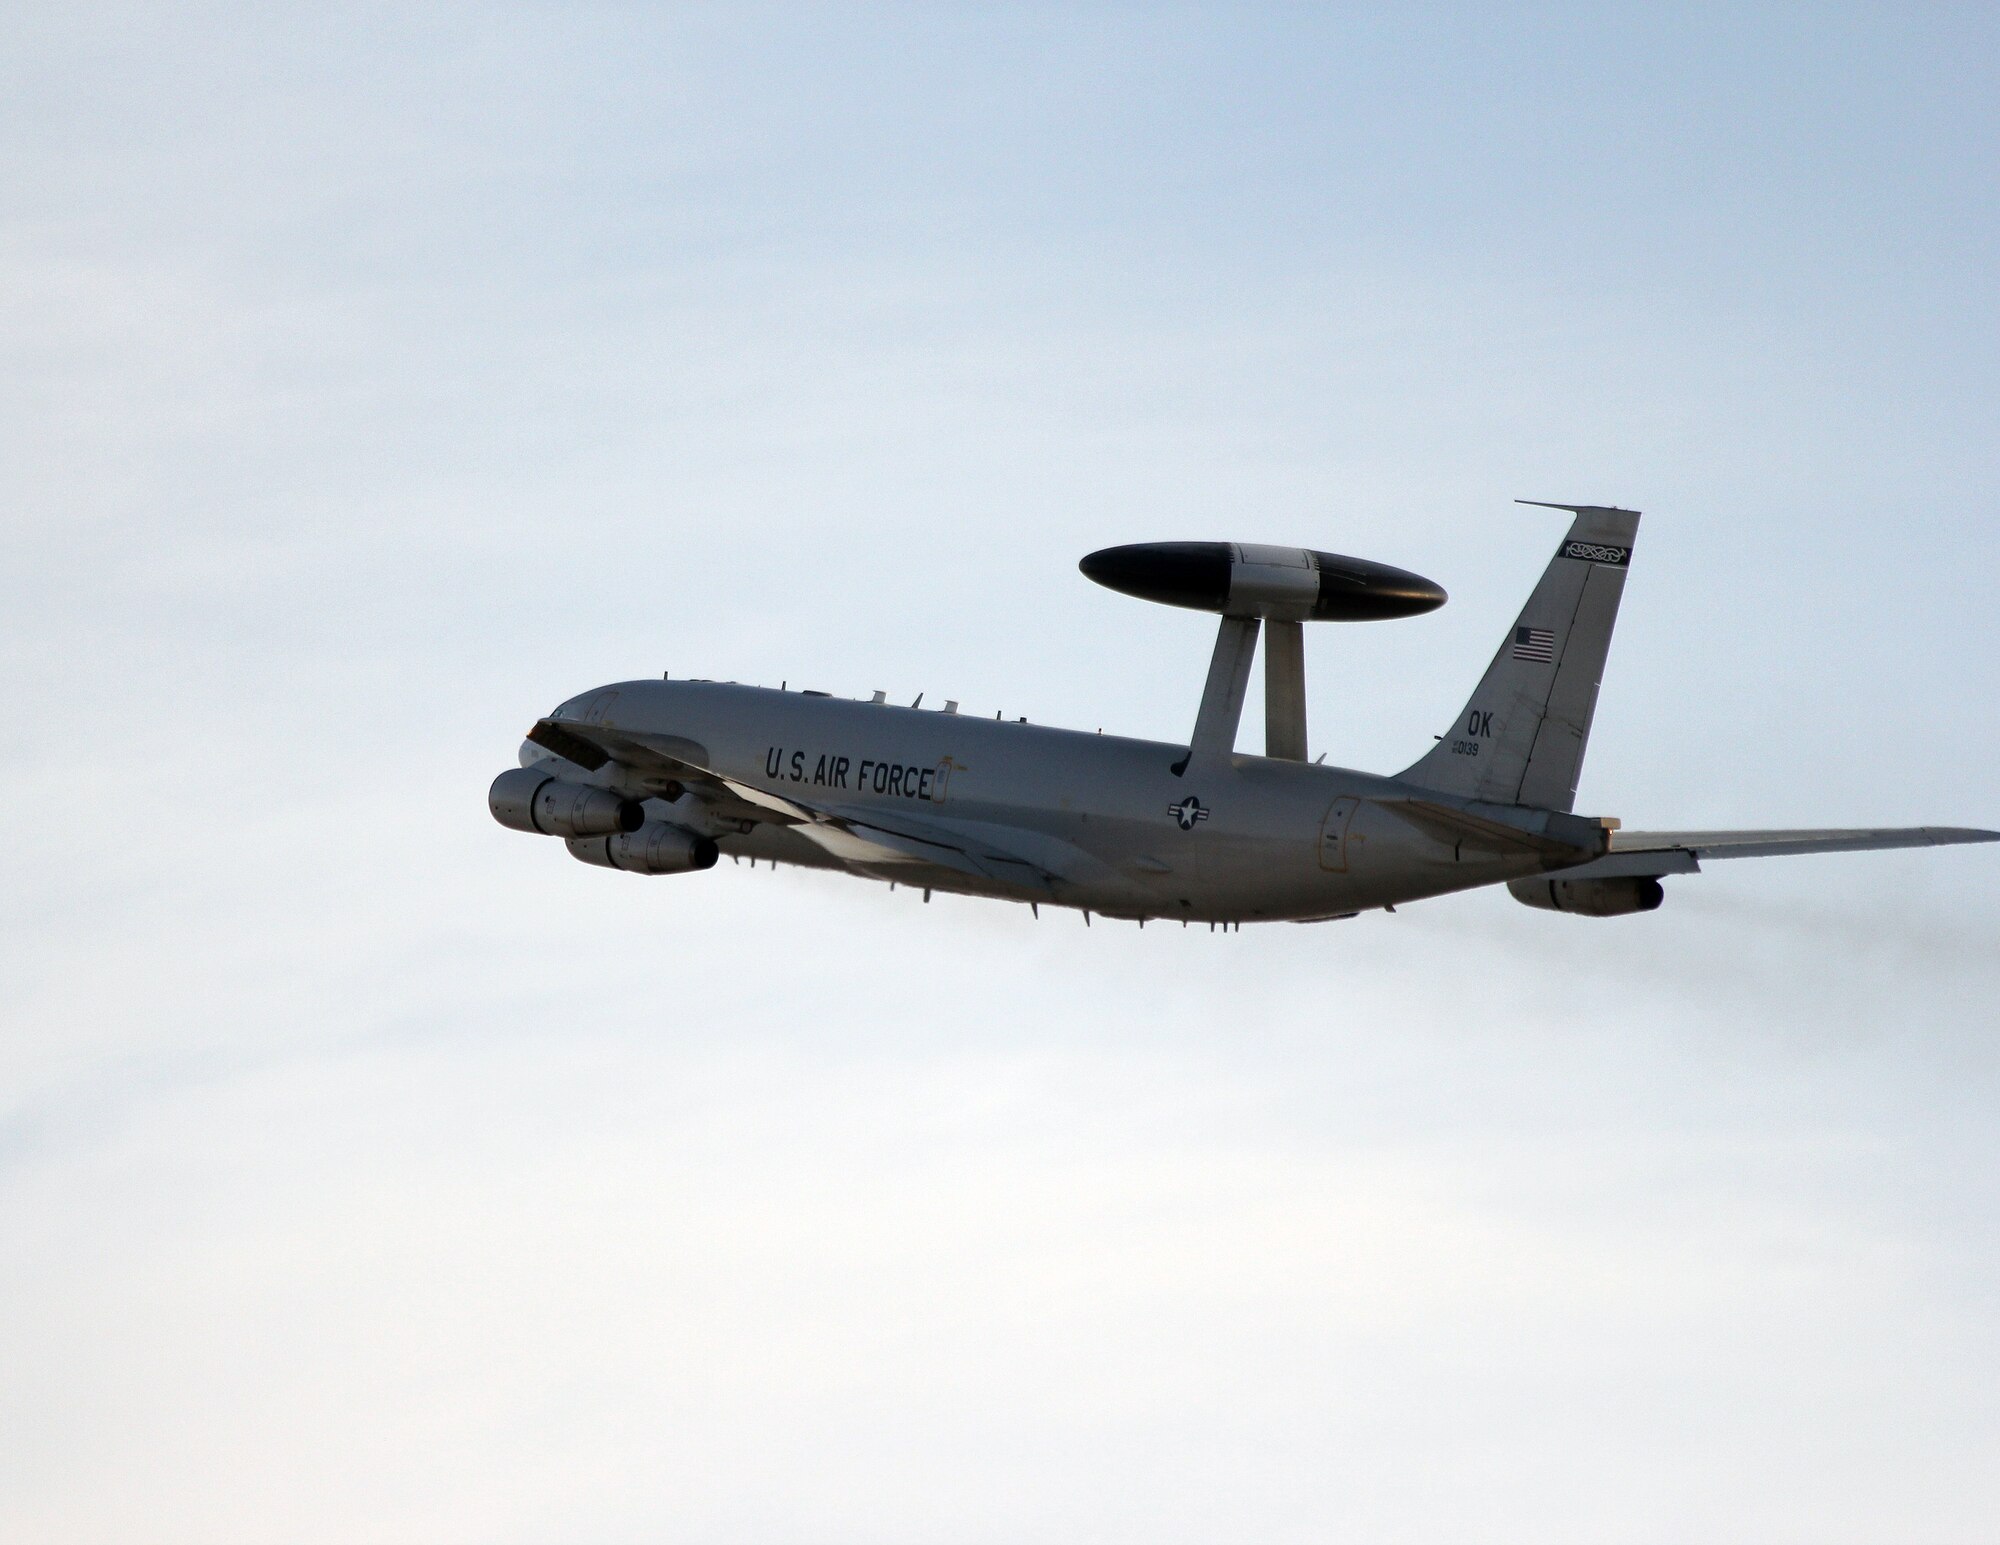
x=1520, y=738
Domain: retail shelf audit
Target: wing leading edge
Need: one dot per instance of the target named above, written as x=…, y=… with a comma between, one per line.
x=665, y=764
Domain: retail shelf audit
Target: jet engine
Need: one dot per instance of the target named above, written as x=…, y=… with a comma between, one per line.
x=530, y=800
x=658, y=847
x=1591, y=898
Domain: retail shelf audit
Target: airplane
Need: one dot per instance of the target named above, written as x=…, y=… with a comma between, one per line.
x=663, y=776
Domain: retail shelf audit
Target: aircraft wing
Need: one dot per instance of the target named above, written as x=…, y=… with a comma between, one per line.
x=885, y=842
x=651, y=765
x=590, y=746
x=865, y=837
x=1662, y=853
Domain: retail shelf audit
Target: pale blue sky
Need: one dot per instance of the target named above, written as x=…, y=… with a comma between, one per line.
x=373, y=381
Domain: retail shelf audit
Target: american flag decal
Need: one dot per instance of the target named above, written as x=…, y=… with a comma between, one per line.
x=1537, y=644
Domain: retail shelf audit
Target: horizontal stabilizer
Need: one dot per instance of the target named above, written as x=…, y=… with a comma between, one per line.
x=1663, y=853
x=1776, y=844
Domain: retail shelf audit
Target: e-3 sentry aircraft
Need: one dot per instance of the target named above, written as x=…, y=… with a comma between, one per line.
x=661, y=777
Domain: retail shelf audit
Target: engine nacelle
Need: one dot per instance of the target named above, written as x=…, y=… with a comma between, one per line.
x=658, y=847
x=1591, y=898
x=530, y=800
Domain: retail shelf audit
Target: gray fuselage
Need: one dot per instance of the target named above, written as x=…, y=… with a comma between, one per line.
x=1108, y=822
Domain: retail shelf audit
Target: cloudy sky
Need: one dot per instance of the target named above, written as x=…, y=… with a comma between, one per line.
x=375, y=377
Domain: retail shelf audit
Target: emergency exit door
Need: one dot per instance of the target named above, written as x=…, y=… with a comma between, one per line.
x=1333, y=835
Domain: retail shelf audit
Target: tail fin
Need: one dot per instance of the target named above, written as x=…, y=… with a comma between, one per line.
x=1520, y=739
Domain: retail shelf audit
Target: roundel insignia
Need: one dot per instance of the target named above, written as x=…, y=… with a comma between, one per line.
x=1187, y=812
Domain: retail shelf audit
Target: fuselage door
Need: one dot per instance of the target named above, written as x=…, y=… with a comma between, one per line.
x=1333, y=835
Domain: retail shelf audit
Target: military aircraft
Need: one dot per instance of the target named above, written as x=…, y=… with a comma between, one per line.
x=662, y=777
